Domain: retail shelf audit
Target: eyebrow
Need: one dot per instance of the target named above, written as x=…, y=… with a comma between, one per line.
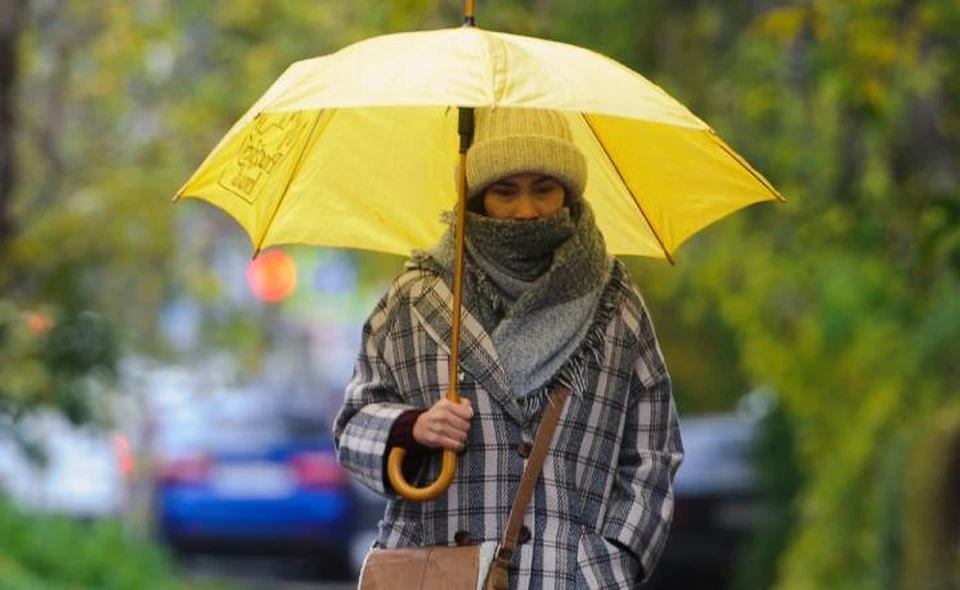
x=544, y=178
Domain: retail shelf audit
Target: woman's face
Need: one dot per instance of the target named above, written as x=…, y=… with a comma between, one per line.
x=523, y=197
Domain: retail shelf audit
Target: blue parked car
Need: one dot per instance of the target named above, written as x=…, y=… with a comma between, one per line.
x=239, y=474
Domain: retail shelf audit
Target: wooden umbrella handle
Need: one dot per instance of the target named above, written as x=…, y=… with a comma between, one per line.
x=447, y=470
x=449, y=465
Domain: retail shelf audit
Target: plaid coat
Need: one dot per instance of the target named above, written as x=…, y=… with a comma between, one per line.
x=603, y=504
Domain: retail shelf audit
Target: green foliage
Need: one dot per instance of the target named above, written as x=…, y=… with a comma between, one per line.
x=855, y=326
x=55, y=553
x=117, y=102
x=63, y=361
x=22, y=371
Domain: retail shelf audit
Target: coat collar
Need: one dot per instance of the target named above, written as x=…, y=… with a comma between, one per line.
x=478, y=356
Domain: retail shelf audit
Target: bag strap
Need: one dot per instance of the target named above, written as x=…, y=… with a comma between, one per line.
x=497, y=578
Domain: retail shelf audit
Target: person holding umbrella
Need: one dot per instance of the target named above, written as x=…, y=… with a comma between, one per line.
x=545, y=308
x=565, y=442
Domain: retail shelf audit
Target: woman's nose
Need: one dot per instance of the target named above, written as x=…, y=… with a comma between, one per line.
x=525, y=209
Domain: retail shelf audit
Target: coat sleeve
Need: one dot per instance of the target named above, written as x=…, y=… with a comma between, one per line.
x=372, y=402
x=641, y=509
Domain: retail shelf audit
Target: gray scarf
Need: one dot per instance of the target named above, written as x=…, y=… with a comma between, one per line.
x=533, y=285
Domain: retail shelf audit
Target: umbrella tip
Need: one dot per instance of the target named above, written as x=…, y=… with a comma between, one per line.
x=469, y=8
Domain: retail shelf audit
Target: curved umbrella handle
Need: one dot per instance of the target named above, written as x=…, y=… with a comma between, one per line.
x=449, y=465
x=447, y=470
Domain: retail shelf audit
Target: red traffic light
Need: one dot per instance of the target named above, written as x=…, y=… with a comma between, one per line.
x=272, y=276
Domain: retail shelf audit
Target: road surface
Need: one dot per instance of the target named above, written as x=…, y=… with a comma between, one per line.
x=255, y=574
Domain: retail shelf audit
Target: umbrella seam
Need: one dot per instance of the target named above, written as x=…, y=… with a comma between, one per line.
x=493, y=65
x=286, y=187
x=636, y=201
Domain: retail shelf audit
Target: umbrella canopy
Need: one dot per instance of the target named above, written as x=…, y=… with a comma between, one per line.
x=364, y=148
x=358, y=149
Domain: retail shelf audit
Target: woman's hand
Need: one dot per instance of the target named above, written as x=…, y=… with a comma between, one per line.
x=444, y=425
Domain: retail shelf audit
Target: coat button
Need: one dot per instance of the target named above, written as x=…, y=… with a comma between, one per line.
x=524, y=448
x=461, y=538
x=524, y=535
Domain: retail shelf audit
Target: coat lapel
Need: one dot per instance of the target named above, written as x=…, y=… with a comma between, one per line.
x=478, y=357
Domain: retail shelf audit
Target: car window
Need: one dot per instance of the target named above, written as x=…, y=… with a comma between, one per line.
x=716, y=454
x=242, y=421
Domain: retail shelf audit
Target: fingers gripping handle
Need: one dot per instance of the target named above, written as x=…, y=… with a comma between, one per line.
x=448, y=468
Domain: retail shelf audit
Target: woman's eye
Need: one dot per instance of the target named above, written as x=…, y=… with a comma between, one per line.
x=545, y=190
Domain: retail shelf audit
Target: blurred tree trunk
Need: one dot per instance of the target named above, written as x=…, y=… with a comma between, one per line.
x=12, y=14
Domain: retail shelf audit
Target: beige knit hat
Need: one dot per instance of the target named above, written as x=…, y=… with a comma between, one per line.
x=511, y=141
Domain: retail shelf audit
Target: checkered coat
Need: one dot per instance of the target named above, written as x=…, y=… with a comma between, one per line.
x=603, y=504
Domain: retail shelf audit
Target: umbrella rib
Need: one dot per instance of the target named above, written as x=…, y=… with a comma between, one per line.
x=286, y=187
x=636, y=201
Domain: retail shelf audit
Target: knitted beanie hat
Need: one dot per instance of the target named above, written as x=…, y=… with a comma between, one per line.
x=511, y=141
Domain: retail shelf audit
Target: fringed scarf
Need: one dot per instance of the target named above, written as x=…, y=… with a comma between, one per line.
x=533, y=285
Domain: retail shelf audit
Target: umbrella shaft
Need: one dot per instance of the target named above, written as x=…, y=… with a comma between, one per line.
x=453, y=393
x=465, y=128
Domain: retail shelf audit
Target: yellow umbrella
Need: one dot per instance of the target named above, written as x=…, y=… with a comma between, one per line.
x=359, y=149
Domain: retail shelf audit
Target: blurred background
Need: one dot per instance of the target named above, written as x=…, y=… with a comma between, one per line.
x=165, y=403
